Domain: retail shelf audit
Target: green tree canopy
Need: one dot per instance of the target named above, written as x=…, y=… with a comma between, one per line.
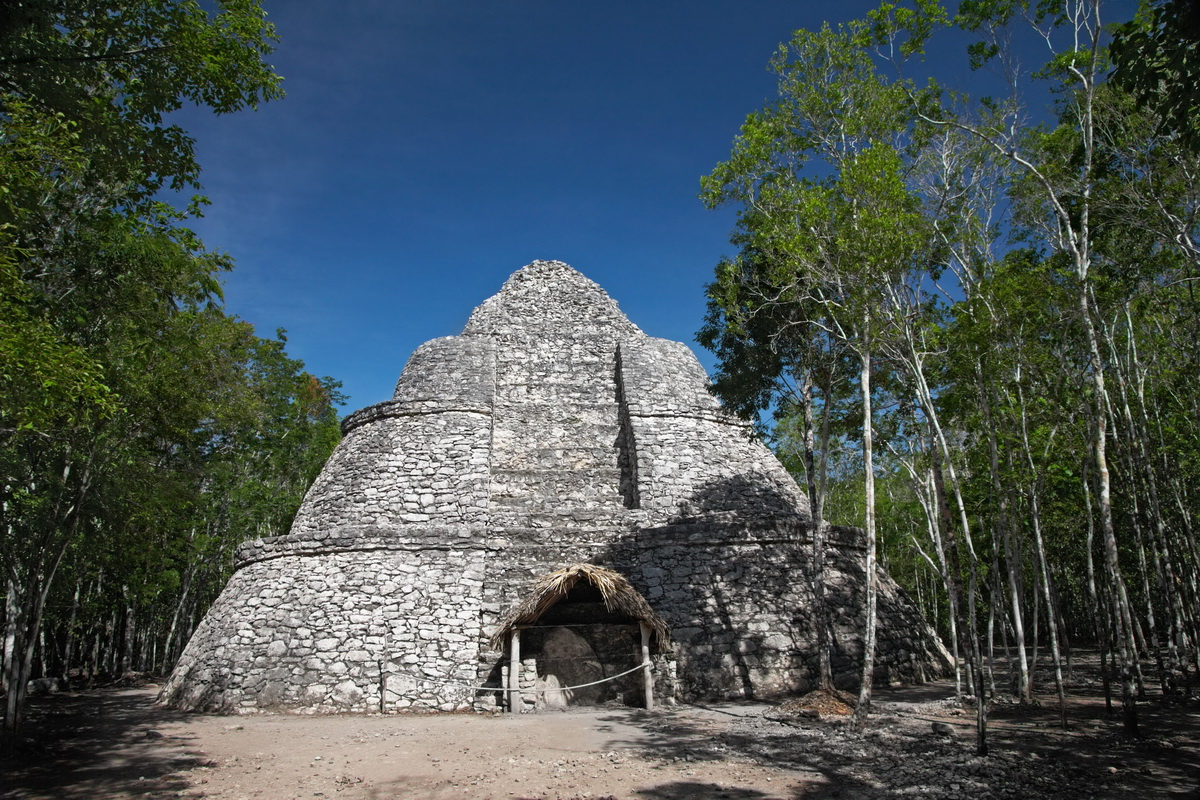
x=1156, y=58
x=143, y=431
x=114, y=69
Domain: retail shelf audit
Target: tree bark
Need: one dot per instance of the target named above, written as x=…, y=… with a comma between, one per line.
x=1012, y=557
x=868, y=665
x=1124, y=617
x=816, y=502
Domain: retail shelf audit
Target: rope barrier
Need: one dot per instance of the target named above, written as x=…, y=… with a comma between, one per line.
x=508, y=689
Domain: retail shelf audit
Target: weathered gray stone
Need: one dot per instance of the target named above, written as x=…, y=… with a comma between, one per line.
x=551, y=431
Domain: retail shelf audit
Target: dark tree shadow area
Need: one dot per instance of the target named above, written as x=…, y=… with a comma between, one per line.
x=754, y=495
x=1164, y=760
x=898, y=754
x=824, y=771
x=104, y=743
x=696, y=790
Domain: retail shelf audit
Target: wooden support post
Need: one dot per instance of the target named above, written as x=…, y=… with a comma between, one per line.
x=647, y=676
x=382, y=689
x=514, y=671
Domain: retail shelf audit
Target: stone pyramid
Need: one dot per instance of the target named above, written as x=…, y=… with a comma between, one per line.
x=552, y=431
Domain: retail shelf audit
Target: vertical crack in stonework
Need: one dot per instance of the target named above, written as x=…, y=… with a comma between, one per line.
x=626, y=444
x=551, y=432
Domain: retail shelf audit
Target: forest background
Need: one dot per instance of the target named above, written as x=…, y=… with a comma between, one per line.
x=972, y=321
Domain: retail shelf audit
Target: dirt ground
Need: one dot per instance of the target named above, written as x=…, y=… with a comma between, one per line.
x=114, y=743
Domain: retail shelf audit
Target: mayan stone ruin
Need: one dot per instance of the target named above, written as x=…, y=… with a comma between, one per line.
x=550, y=432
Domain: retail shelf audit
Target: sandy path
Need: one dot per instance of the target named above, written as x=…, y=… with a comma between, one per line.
x=113, y=743
x=548, y=755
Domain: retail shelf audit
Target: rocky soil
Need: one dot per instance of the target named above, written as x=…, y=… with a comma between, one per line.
x=113, y=743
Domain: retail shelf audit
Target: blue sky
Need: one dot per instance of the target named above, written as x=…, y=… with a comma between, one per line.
x=426, y=149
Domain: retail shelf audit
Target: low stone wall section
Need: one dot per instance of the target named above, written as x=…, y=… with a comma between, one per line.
x=366, y=631
x=359, y=539
x=338, y=632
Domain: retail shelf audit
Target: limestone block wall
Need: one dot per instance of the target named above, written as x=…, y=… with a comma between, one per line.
x=422, y=457
x=447, y=373
x=554, y=423
x=555, y=406
x=552, y=431
x=739, y=604
x=338, y=632
x=551, y=299
x=692, y=456
x=737, y=598
x=404, y=470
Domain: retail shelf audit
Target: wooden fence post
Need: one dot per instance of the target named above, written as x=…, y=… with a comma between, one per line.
x=647, y=676
x=514, y=671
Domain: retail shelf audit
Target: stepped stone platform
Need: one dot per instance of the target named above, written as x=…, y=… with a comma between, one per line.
x=552, y=431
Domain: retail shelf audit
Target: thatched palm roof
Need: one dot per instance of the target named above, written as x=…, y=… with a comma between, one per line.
x=619, y=596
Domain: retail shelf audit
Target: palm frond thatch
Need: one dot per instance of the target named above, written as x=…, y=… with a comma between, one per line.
x=619, y=596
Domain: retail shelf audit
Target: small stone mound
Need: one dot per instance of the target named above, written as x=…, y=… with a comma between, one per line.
x=817, y=704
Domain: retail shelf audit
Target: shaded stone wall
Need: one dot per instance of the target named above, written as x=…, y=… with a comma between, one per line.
x=738, y=599
x=691, y=455
x=552, y=431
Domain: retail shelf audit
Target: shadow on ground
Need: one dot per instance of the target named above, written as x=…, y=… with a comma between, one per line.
x=898, y=754
x=735, y=733
x=101, y=744
x=1162, y=761
x=114, y=743
x=689, y=790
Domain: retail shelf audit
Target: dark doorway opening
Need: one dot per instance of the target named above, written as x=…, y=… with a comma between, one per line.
x=579, y=641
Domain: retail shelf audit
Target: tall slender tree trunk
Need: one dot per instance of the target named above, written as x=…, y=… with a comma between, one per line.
x=966, y=626
x=97, y=647
x=31, y=606
x=111, y=629
x=1124, y=617
x=1163, y=560
x=1190, y=567
x=942, y=449
x=128, y=635
x=938, y=518
x=1012, y=558
x=991, y=631
x=1132, y=462
x=1051, y=616
x=69, y=643
x=816, y=503
x=1035, y=518
x=868, y=666
x=1005, y=630
x=1076, y=228
x=170, y=649
x=11, y=611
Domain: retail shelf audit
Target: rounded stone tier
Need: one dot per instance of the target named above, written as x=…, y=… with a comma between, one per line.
x=551, y=431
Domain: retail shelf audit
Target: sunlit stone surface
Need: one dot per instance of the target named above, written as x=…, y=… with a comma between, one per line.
x=551, y=431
